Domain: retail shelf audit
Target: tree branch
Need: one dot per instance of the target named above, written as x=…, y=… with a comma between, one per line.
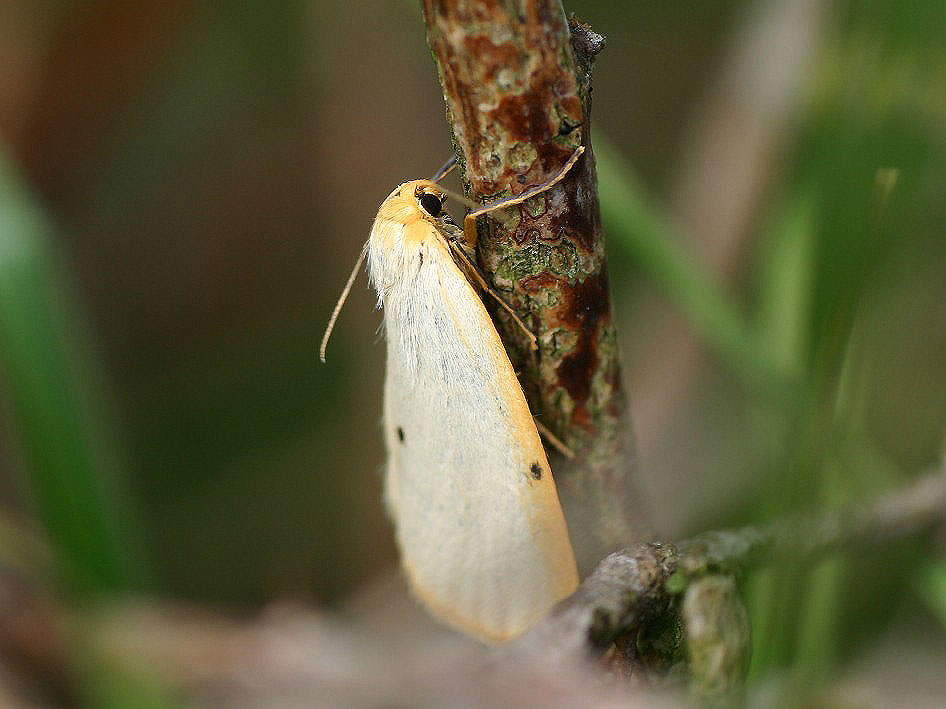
x=631, y=588
x=517, y=85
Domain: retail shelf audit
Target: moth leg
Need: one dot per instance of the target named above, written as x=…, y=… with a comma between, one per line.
x=469, y=221
x=554, y=440
x=473, y=271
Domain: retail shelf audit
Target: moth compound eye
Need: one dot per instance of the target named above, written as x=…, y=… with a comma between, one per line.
x=431, y=204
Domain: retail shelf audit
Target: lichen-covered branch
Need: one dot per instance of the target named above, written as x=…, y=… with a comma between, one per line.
x=517, y=84
x=641, y=583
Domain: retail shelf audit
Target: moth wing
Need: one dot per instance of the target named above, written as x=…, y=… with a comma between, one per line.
x=478, y=521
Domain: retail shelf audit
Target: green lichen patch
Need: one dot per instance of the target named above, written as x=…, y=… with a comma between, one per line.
x=521, y=156
x=535, y=206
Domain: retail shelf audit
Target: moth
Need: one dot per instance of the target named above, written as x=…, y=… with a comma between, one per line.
x=480, y=530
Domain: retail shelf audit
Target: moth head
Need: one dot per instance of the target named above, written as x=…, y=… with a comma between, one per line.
x=431, y=201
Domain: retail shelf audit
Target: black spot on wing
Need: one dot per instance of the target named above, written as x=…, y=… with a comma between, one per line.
x=400, y=434
x=536, y=471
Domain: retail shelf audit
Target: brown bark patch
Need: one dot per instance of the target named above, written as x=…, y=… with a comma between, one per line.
x=584, y=309
x=533, y=285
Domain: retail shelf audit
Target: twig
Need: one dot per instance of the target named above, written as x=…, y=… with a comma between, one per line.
x=517, y=84
x=636, y=585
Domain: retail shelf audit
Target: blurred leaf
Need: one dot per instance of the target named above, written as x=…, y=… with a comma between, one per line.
x=72, y=474
x=639, y=226
x=930, y=583
x=111, y=685
x=785, y=266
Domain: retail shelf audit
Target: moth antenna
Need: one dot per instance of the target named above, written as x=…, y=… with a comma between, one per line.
x=445, y=169
x=341, y=301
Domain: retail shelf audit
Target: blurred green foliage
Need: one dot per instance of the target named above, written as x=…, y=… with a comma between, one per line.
x=54, y=396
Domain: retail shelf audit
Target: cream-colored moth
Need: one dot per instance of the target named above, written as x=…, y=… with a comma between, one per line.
x=481, y=534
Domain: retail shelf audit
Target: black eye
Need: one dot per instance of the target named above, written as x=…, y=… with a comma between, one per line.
x=431, y=204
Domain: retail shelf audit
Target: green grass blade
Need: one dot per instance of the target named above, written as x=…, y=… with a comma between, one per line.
x=634, y=223
x=930, y=584
x=69, y=453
